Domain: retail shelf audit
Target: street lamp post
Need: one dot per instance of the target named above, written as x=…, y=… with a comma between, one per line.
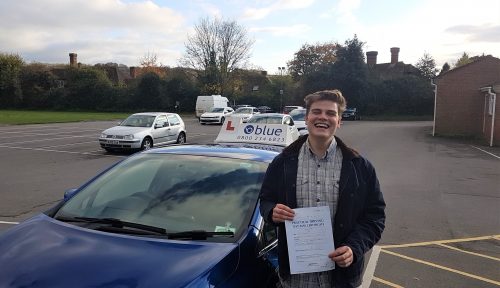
x=281, y=71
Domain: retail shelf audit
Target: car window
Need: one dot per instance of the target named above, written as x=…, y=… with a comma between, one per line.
x=288, y=121
x=138, y=121
x=175, y=192
x=173, y=119
x=217, y=110
x=161, y=121
x=244, y=110
x=298, y=114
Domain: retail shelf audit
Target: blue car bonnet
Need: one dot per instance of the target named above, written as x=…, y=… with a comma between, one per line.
x=43, y=252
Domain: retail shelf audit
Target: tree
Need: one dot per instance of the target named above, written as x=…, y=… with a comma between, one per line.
x=149, y=64
x=10, y=70
x=464, y=59
x=427, y=66
x=217, y=47
x=348, y=73
x=310, y=58
x=445, y=68
x=36, y=83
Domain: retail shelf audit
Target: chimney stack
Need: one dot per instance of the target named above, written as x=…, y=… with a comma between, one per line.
x=371, y=58
x=394, y=55
x=133, y=72
x=72, y=60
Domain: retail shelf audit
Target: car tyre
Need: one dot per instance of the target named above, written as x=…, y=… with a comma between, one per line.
x=222, y=120
x=181, y=139
x=146, y=144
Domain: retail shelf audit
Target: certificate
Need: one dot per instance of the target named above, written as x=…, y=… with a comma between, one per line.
x=310, y=240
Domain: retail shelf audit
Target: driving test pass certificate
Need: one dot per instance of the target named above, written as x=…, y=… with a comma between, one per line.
x=310, y=240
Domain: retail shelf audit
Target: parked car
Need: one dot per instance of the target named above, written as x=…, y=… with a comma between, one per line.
x=275, y=118
x=159, y=218
x=143, y=131
x=351, y=114
x=299, y=117
x=216, y=115
x=265, y=109
x=288, y=109
x=245, y=113
x=241, y=106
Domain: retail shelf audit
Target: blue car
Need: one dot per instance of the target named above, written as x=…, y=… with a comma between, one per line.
x=180, y=216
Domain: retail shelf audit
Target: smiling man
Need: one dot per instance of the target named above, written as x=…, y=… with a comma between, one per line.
x=320, y=170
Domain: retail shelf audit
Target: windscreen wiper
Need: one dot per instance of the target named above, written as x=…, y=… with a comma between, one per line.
x=116, y=225
x=198, y=234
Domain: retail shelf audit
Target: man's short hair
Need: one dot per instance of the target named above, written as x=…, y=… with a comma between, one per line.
x=331, y=95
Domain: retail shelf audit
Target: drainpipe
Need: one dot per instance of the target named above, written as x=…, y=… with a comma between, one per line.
x=494, y=98
x=435, y=104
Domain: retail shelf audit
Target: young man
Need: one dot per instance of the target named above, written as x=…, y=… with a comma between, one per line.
x=320, y=170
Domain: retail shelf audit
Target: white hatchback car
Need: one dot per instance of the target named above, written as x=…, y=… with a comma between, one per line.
x=216, y=115
x=143, y=131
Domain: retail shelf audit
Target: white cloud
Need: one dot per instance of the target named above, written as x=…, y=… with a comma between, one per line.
x=260, y=13
x=291, y=31
x=97, y=30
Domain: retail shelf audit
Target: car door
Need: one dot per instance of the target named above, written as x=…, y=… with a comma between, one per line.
x=174, y=128
x=268, y=256
x=160, y=130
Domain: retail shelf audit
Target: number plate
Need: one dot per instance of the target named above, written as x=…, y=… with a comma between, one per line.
x=113, y=142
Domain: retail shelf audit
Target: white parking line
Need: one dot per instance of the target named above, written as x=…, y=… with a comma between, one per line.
x=370, y=268
x=9, y=223
x=59, y=151
x=70, y=144
x=498, y=157
x=49, y=139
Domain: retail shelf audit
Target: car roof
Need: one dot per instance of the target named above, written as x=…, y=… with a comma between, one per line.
x=271, y=115
x=223, y=150
x=153, y=113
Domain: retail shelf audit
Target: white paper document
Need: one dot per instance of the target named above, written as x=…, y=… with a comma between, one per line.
x=310, y=240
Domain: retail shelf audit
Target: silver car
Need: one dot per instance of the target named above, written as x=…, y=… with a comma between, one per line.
x=143, y=131
x=299, y=116
x=245, y=113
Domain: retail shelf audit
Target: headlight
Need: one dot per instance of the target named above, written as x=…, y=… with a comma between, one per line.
x=103, y=135
x=128, y=137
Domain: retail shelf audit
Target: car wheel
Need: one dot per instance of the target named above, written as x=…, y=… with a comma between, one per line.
x=222, y=120
x=147, y=144
x=182, y=138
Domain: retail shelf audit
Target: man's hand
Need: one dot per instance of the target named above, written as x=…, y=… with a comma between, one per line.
x=342, y=256
x=281, y=213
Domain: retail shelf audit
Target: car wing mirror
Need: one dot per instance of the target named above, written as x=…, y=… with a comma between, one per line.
x=69, y=193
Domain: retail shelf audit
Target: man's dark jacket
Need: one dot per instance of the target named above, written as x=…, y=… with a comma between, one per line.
x=359, y=219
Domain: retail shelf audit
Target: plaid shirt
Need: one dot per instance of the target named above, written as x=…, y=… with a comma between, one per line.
x=317, y=185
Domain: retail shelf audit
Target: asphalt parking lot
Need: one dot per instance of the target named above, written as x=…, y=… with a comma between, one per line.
x=443, y=196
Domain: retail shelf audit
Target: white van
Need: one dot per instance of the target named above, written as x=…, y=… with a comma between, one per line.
x=206, y=103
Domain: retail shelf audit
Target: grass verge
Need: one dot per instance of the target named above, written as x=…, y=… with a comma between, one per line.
x=16, y=117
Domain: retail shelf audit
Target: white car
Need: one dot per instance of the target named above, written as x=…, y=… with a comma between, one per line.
x=143, y=131
x=245, y=113
x=299, y=118
x=216, y=115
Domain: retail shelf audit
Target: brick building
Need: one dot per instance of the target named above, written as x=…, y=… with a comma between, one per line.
x=465, y=101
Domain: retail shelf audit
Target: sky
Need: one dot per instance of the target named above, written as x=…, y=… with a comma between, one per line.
x=125, y=31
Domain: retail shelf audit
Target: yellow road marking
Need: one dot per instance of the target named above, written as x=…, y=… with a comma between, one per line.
x=496, y=237
x=468, y=252
x=387, y=282
x=442, y=267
